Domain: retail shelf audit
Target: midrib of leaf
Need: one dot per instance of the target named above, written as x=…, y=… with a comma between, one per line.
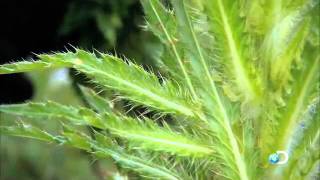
x=301, y=138
x=151, y=136
x=27, y=66
x=226, y=120
x=64, y=60
x=148, y=168
x=293, y=115
x=34, y=110
x=180, y=108
x=234, y=144
x=174, y=49
x=302, y=135
x=241, y=75
x=192, y=148
x=26, y=131
x=198, y=48
x=135, y=164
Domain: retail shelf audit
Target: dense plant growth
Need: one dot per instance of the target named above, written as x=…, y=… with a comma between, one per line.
x=238, y=83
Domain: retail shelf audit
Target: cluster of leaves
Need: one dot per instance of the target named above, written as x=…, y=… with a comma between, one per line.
x=239, y=81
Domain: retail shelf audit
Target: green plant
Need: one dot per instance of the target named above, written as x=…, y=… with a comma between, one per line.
x=239, y=82
x=85, y=24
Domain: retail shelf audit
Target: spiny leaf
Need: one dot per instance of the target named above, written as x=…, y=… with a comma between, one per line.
x=27, y=131
x=281, y=64
x=284, y=41
x=27, y=66
x=114, y=73
x=284, y=120
x=190, y=40
x=159, y=16
x=137, y=164
x=147, y=135
x=304, y=86
x=143, y=165
x=303, y=140
x=160, y=20
x=79, y=140
x=204, y=76
x=53, y=110
x=49, y=109
x=234, y=44
x=262, y=15
x=305, y=129
x=144, y=135
x=276, y=39
x=129, y=79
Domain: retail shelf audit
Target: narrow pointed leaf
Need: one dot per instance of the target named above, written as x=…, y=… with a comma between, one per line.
x=285, y=40
x=147, y=135
x=307, y=83
x=200, y=65
x=129, y=79
x=305, y=139
x=233, y=43
x=81, y=141
x=27, y=131
x=53, y=110
x=164, y=26
x=189, y=38
x=27, y=66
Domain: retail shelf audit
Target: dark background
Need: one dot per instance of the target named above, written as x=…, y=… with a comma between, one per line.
x=28, y=27
x=34, y=26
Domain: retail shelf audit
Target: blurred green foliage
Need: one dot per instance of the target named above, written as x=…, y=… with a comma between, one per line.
x=112, y=26
x=32, y=160
x=93, y=19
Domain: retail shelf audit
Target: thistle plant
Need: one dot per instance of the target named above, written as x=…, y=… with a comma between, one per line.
x=238, y=80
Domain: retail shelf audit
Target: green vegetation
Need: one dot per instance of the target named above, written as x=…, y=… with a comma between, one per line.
x=237, y=81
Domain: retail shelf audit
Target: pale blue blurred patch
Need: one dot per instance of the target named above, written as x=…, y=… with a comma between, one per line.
x=59, y=76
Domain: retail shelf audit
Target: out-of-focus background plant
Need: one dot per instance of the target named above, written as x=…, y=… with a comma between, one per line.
x=106, y=25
